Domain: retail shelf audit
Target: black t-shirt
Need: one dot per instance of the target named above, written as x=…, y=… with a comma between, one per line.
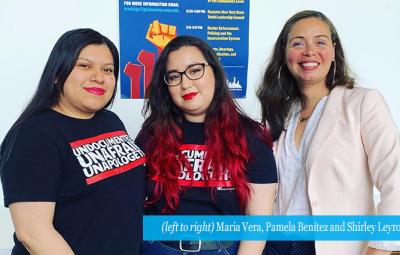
x=91, y=169
x=198, y=198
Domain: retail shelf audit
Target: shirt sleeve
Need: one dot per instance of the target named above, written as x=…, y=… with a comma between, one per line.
x=382, y=145
x=32, y=171
x=261, y=167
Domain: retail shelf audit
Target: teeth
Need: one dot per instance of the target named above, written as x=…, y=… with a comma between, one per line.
x=309, y=64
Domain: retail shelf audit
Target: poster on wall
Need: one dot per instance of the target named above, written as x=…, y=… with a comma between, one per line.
x=147, y=26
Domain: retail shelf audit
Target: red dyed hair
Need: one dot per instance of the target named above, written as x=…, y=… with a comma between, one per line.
x=225, y=132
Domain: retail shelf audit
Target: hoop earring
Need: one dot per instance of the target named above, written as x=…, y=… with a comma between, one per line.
x=279, y=75
x=334, y=71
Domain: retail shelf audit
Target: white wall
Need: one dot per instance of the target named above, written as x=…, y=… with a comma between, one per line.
x=369, y=30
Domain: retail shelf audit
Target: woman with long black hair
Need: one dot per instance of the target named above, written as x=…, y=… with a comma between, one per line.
x=72, y=177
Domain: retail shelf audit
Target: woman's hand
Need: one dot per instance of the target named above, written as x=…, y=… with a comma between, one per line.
x=373, y=251
x=261, y=202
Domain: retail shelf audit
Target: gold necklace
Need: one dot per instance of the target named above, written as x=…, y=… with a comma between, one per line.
x=303, y=119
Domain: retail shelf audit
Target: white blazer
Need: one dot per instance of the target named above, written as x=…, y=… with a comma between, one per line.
x=356, y=145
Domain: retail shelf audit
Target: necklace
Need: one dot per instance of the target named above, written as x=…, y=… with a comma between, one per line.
x=302, y=119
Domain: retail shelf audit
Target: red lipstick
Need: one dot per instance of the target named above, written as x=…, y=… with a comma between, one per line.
x=96, y=91
x=189, y=96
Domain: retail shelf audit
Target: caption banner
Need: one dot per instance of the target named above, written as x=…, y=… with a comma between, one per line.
x=271, y=227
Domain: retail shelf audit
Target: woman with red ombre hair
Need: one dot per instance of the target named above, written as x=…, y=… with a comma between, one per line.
x=204, y=155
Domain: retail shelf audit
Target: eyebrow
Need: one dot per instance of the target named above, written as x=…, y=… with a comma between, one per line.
x=91, y=61
x=302, y=37
x=190, y=65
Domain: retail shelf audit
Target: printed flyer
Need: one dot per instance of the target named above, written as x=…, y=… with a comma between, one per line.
x=147, y=26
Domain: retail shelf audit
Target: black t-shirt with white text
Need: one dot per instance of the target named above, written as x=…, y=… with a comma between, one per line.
x=197, y=199
x=91, y=169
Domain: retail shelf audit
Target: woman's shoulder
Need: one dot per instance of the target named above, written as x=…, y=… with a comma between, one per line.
x=357, y=100
x=255, y=132
x=355, y=97
x=33, y=130
x=356, y=92
x=39, y=120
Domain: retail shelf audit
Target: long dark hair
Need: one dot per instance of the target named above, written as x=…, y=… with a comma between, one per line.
x=225, y=126
x=59, y=65
x=279, y=90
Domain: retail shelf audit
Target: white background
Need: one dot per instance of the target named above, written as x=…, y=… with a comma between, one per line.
x=369, y=30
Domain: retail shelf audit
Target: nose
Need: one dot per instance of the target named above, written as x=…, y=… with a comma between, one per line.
x=97, y=76
x=186, y=83
x=309, y=50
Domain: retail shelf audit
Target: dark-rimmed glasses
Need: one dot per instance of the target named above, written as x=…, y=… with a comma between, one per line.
x=192, y=72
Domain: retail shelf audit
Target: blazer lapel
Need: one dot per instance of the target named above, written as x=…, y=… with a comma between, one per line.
x=325, y=127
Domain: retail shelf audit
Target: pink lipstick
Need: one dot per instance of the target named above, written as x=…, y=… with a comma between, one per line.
x=96, y=91
x=189, y=96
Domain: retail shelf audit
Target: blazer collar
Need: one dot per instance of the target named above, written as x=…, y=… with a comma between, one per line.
x=325, y=127
x=323, y=130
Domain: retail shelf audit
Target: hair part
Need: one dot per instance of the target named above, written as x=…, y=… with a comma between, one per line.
x=279, y=90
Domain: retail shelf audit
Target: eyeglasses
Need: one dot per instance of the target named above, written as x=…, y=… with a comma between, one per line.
x=192, y=72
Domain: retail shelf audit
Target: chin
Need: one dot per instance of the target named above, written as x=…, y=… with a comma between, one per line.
x=95, y=108
x=95, y=104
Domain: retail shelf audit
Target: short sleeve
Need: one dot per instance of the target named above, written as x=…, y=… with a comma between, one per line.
x=261, y=167
x=32, y=171
x=140, y=140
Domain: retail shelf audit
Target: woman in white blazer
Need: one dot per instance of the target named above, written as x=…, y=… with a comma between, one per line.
x=333, y=142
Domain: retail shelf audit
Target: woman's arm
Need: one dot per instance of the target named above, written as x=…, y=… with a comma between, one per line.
x=381, y=141
x=33, y=222
x=261, y=202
